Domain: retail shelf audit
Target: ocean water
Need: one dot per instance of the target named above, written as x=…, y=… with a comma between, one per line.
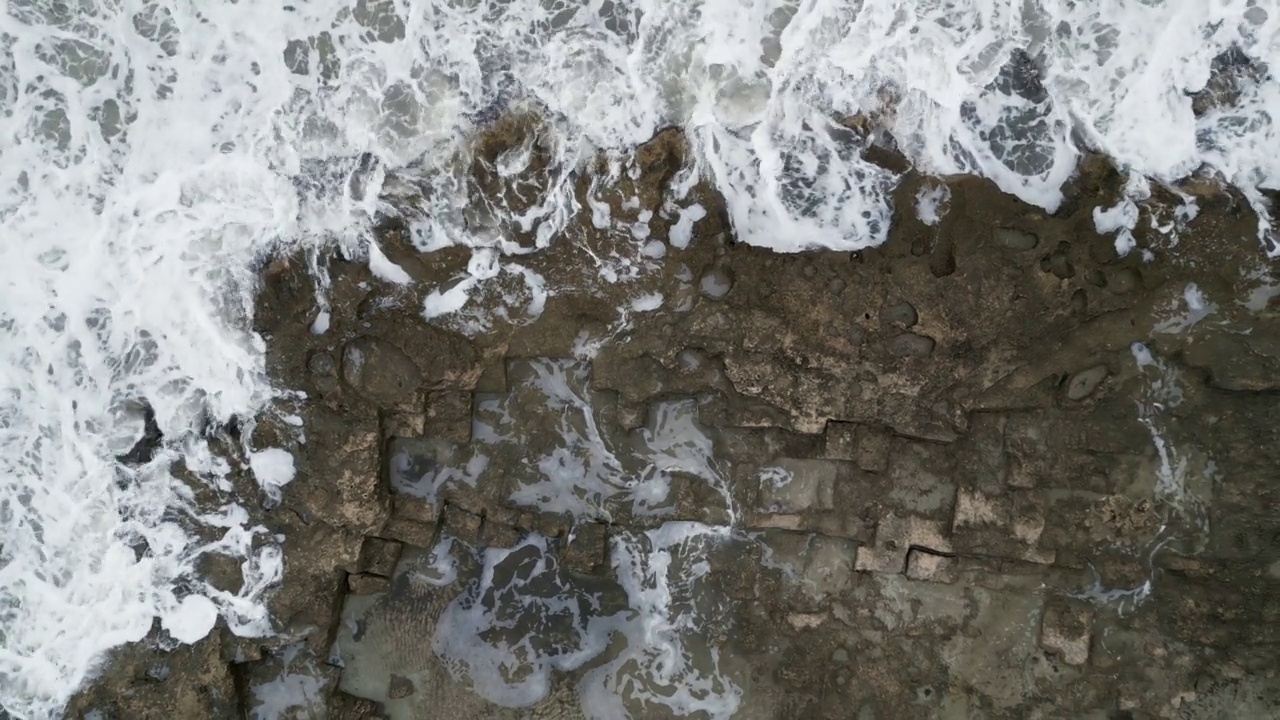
x=153, y=155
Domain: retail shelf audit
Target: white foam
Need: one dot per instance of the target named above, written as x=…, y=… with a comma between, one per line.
x=320, y=325
x=497, y=634
x=442, y=569
x=666, y=662
x=280, y=698
x=587, y=471
x=523, y=619
x=647, y=302
x=273, y=469
x=1122, y=218
x=191, y=619
x=1183, y=473
x=294, y=691
x=1262, y=288
x=427, y=482
x=439, y=303
x=383, y=268
x=1197, y=308
x=682, y=232
x=1123, y=215
x=932, y=203
x=714, y=286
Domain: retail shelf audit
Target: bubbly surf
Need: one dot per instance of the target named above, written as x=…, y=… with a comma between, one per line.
x=156, y=154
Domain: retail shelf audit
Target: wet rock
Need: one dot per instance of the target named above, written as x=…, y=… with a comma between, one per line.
x=460, y=524
x=322, y=364
x=379, y=556
x=512, y=169
x=899, y=314
x=400, y=687
x=696, y=500
x=586, y=548
x=1124, y=281
x=367, y=584
x=919, y=480
x=1239, y=363
x=408, y=531
x=1066, y=630
x=823, y=566
x=942, y=262
x=658, y=160
x=1083, y=383
x=448, y=416
x=930, y=567
x=403, y=423
x=143, y=683
x=324, y=372
x=716, y=283
x=1079, y=302
x=495, y=533
x=1062, y=267
x=911, y=345
x=840, y=441
x=794, y=485
x=976, y=508
x=873, y=451
x=684, y=297
x=1016, y=239
x=145, y=449
x=348, y=707
x=966, y=530
x=291, y=684
x=381, y=372
x=445, y=360
x=222, y=571
x=339, y=481
x=895, y=536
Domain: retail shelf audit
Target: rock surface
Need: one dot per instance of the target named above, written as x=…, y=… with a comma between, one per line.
x=964, y=474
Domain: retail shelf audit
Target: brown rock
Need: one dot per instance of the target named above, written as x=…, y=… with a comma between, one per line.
x=900, y=314
x=1083, y=383
x=366, y=584
x=381, y=372
x=379, y=556
x=895, y=536
x=461, y=524
x=1015, y=239
x=338, y=481
x=1066, y=630
x=911, y=345
x=400, y=687
x=924, y=565
x=873, y=451
x=840, y=441
x=588, y=548
x=449, y=416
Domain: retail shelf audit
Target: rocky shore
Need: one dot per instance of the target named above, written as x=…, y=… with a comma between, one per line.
x=988, y=469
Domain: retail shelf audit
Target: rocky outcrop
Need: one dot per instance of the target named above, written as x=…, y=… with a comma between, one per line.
x=952, y=482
